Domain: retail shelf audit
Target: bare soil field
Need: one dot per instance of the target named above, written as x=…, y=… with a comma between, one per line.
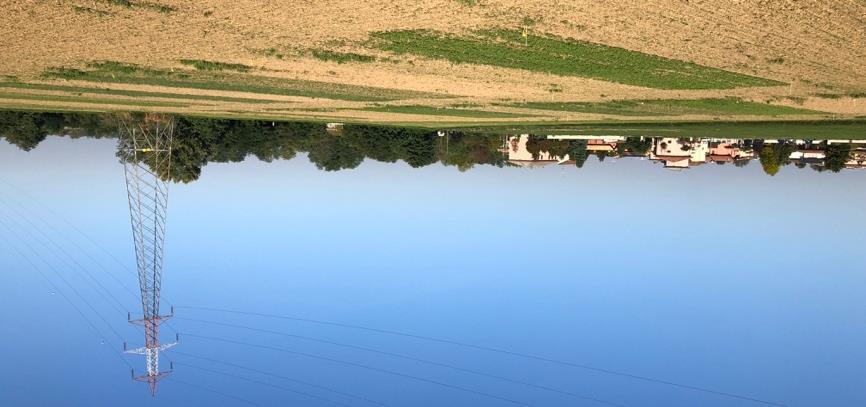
x=307, y=59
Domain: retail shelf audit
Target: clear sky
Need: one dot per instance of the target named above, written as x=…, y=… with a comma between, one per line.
x=717, y=277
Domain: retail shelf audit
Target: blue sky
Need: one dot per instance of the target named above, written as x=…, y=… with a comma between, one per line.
x=719, y=277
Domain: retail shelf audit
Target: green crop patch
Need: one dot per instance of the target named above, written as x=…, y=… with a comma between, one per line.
x=203, y=65
x=147, y=5
x=63, y=73
x=114, y=66
x=340, y=57
x=672, y=107
x=855, y=95
x=562, y=56
x=88, y=10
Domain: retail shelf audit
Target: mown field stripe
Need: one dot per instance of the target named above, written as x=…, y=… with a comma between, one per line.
x=117, y=72
x=770, y=129
x=74, y=99
x=437, y=111
x=670, y=107
x=131, y=93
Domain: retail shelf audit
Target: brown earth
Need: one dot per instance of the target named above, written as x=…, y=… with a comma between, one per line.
x=817, y=46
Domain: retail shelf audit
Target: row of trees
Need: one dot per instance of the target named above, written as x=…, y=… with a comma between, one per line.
x=26, y=130
x=775, y=156
x=199, y=141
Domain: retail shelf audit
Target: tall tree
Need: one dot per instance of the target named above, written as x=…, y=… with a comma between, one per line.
x=578, y=152
x=769, y=160
x=26, y=130
x=836, y=156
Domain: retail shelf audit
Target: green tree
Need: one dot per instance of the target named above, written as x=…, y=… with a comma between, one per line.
x=419, y=148
x=539, y=144
x=774, y=156
x=466, y=150
x=634, y=146
x=836, y=156
x=578, y=152
x=769, y=160
x=26, y=130
x=333, y=153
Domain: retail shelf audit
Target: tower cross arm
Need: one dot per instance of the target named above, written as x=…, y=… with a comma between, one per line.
x=143, y=350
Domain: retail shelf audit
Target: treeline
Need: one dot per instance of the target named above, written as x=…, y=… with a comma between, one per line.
x=777, y=155
x=199, y=141
x=26, y=129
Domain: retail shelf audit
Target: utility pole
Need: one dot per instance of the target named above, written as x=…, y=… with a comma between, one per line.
x=145, y=150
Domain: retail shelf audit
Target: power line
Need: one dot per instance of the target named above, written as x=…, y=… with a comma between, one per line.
x=363, y=366
x=65, y=297
x=234, y=365
x=496, y=350
x=120, y=306
x=283, y=388
x=59, y=275
x=412, y=358
x=217, y=392
x=83, y=234
x=73, y=241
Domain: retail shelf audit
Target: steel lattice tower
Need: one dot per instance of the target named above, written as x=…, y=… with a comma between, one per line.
x=145, y=150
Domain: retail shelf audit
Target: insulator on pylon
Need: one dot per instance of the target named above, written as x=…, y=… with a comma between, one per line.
x=124, y=346
x=177, y=337
x=128, y=316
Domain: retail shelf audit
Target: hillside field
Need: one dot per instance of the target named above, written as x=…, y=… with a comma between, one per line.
x=440, y=62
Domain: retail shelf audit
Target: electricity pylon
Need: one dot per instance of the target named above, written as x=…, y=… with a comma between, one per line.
x=145, y=150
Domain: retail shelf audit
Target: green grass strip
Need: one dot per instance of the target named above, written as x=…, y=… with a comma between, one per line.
x=130, y=93
x=672, y=107
x=801, y=129
x=114, y=72
x=437, y=111
x=57, y=98
x=561, y=56
x=162, y=8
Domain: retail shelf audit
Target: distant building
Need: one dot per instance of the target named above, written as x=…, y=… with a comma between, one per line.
x=334, y=127
x=808, y=154
x=857, y=160
x=846, y=141
x=600, y=145
x=680, y=153
x=727, y=151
